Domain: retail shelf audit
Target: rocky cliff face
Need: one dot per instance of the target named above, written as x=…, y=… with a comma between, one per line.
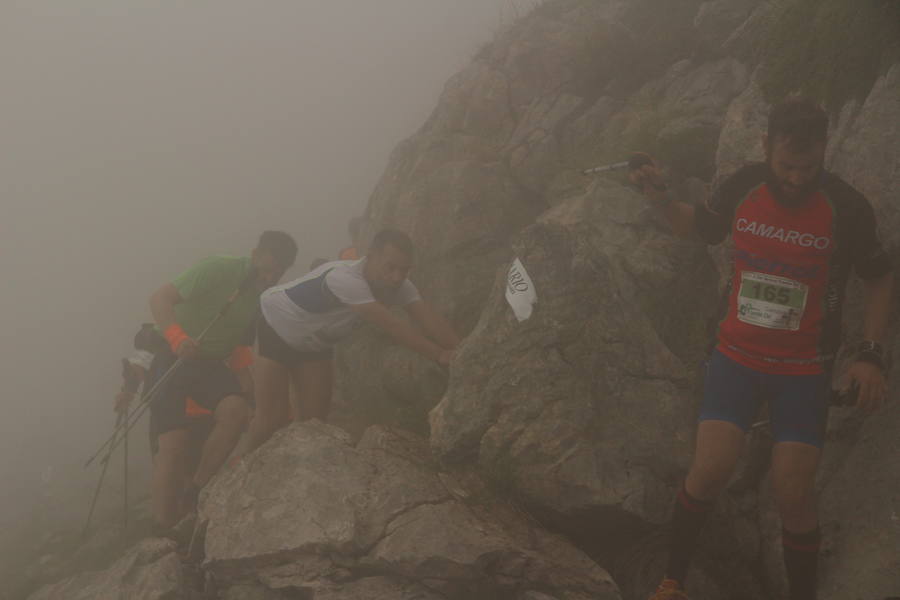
x=578, y=420
x=585, y=410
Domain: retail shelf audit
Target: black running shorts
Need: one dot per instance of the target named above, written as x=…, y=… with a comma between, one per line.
x=207, y=382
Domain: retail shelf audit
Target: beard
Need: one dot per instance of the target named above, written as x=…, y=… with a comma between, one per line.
x=793, y=196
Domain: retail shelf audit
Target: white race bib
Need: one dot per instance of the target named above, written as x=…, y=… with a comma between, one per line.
x=770, y=301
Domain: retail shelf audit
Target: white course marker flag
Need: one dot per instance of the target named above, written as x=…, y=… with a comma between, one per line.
x=520, y=291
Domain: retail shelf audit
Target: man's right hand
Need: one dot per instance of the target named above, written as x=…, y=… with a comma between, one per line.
x=187, y=349
x=649, y=179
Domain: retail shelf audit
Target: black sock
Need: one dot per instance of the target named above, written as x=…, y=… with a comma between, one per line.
x=801, y=558
x=687, y=522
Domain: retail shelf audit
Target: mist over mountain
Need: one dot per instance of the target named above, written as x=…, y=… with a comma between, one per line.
x=543, y=463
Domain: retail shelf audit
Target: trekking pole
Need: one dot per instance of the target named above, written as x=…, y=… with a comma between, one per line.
x=87, y=525
x=125, y=486
x=147, y=398
x=637, y=160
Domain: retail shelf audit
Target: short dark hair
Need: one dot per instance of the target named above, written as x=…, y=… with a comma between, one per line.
x=799, y=121
x=395, y=238
x=280, y=245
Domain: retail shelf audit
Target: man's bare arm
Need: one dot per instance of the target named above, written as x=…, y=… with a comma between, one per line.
x=404, y=333
x=162, y=305
x=877, y=306
x=868, y=376
x=433, y=324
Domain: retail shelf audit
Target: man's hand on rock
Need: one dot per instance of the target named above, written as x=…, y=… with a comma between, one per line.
x=872, y=385
x=649, y=179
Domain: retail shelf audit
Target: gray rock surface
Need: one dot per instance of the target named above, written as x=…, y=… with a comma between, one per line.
x=585, y=411
x=867, y=156
x=151, y=570
x=555, y=94
x=717, y=20
x=583, y=405
x=311, y=513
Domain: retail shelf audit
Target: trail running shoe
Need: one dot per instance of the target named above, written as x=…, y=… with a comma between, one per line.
x=669, y=590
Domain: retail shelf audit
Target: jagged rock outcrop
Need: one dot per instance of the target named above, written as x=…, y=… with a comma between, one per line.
x=693, y=85
x=573, y=85
x=310, y=513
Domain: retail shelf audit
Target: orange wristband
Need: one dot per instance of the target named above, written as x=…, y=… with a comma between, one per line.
x=174, y=334
x=241, y=358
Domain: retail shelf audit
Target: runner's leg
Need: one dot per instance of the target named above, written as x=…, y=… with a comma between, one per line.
x=168, y=476
x=313, y=380
x=719, y=446
x=794, y=467
x=229, y=417
x=799, y=415
x=730, y=402
x=270, y=384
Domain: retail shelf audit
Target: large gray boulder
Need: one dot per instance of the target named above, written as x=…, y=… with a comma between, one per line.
x=585, y=411
x=310, y=513
x=583, y=405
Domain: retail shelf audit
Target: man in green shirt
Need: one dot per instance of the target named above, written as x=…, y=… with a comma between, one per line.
x=213, y=382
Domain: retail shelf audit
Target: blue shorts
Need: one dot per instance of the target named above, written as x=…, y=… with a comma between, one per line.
x=798, y=404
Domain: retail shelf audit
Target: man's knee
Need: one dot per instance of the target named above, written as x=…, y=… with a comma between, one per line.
x=173, y=444
x=232, y=410
x=794, y=468
x=707, y=479
x=719, y=445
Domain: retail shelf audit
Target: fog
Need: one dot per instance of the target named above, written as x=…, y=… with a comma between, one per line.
x=138, y=137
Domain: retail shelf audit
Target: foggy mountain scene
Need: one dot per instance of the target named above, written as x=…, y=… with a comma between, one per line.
x=438, y=300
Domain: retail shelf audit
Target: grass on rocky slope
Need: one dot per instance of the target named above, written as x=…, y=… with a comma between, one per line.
x=833, y=50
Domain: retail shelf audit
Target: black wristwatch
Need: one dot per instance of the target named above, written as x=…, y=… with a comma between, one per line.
x=871, y=352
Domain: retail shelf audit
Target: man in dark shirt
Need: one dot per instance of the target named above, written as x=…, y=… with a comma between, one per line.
x=797, y=232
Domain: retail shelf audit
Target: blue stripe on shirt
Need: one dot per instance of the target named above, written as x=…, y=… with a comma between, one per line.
x=312, y=295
